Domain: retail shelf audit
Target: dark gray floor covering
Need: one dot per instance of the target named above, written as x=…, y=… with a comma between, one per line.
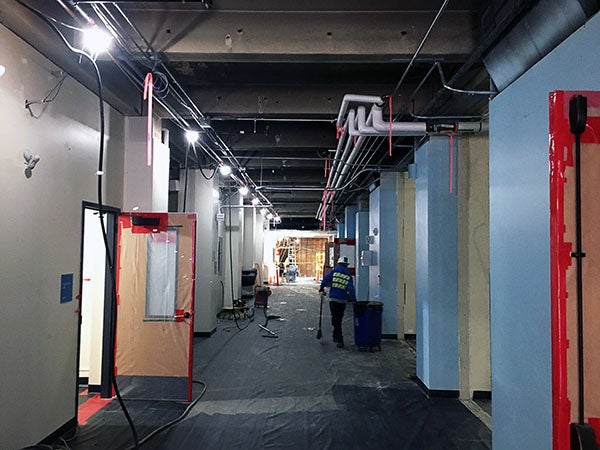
x=296, y=392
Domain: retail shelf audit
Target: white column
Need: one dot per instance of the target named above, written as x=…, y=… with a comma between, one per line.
x=145, y=188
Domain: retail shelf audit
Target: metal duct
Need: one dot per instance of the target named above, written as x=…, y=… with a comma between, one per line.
x=545, y=26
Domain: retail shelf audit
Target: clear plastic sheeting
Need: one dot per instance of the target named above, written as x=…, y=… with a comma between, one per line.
x=296, y=392
x=155, y=305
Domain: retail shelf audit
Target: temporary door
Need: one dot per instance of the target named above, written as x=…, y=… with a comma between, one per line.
x=155, y=305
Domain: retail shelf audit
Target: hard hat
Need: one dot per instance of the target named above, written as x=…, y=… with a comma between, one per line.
x=343, y=260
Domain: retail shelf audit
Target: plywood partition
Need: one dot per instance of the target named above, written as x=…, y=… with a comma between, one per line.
x=563, y=267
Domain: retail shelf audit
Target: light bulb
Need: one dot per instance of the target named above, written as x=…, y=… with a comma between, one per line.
x=255, y=201
x=225, y=170
x=243, y=191
x=96, y=40
x=270, y=216
x=263, y=211
x=192, y=136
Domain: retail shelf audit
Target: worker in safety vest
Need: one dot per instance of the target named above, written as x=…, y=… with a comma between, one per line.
x=342, y=290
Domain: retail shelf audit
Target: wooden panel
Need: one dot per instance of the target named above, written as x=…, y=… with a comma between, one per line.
x=307, y=256
x=590, y=212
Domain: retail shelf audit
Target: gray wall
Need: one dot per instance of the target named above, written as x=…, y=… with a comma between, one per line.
x=362, y=272
x=41, y=237
x=520, y=240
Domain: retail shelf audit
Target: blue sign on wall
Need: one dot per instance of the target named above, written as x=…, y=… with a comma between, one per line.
x=66, y=287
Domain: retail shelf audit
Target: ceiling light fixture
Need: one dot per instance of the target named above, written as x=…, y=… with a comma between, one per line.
x=192, y=136
x=96, y=41
x=255, y=201
x=263, y=211
x=243, y=191
x=270, y=216
x=225, y=170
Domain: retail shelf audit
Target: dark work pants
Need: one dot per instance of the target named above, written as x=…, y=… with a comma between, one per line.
x=337, y=314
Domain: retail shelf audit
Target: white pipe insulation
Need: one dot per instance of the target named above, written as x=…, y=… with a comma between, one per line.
x=349, y=142
x=348, y=98
x=336, y=158
x=347, y=165
x=402, y=128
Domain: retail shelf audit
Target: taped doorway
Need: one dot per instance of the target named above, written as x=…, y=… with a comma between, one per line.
x=155, y=305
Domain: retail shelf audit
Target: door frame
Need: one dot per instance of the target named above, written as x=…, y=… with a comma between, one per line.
x=111, y=214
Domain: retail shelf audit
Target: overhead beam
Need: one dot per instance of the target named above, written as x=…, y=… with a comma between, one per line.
x=302, y=36
x=292, y=100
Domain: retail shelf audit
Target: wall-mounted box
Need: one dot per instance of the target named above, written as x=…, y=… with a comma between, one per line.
x=368, y=258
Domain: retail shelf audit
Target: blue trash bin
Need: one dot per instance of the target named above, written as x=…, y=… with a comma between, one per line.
x=367, y=325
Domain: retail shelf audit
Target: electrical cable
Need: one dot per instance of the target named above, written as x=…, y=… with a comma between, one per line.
x=208, y=178
x=176, y=420
x=99, y=174
x=48, y=98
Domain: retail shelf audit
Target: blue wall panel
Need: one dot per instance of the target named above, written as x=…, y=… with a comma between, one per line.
x=421, y=172
x=520, y=241
x=388, y=251
x=350, y=221
x=437, y=266
x=341, y=230
x=383, y=276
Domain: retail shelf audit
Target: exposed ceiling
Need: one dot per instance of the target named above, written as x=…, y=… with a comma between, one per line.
x=266, y=78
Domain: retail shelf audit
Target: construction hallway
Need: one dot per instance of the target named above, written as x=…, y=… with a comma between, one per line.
x=294, y=391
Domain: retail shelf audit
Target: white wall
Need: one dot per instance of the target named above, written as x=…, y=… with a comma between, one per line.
x=259, y=243
x=233, y=249
x=248, y=257
x=203, y=202
x=41, y=237
x=145, y=188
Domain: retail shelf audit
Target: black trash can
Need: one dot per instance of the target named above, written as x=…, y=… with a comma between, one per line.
x=367, y=325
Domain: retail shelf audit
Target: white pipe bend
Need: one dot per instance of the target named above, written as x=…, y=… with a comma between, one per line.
x=398, y=128
x=348, y=98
